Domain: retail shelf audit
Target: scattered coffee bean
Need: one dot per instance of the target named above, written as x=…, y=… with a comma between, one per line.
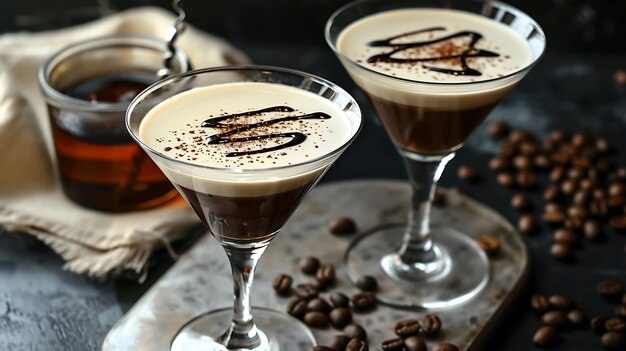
x=557, y=174
x=542, y=162
x=573, y=224
x=444, y=346
x=527, y=224
x=569, y=187
x=561, y=302
x=613, y=340
x=578, y=212
x=554, y=217
x=393, y=345
x=355, y=331
x=597, y=324
x=317, y=284
x=440, y=199
x=318, y=304
x=552, y=193
x=599, y=208
x=297, y=308
x=356, y=345
x=431, y=325
x=309, y=265
x=306, y=291
x=558, y=136
x=526, y=179
x=574, y=174
x=342, y=225
x=322, y=348
x=415, y=343
x=506, y=179
x=522, y=162
x=521, y=202
x=621, y=311
x=339, y=300
x=518, y=136
x=546, y=336
x=617, y=189
x=407, y=328
x=561, y=251
x=339, y=342
x=577, y=318
x=340, y=317
x=499, y=163
x=367, y=283
x=508, y=150
x=610, y=289
x=581, y=198
x=615, y=324
x=540, y=303
x=565, y=236
x=364, y=301
x=556, y=318
x=325, y=274
x=618, y=223
x=498, y=129
x=467, y=173
x=282, y=284
x=315, y=319
x=489, y=244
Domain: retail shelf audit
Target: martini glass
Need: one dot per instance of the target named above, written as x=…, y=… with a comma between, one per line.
x=418, y=265
x=244, y=224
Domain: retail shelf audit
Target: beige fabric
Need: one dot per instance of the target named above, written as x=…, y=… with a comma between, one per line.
x=31, y=201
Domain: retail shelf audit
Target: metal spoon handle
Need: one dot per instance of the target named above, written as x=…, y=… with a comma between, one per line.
x=177, y=29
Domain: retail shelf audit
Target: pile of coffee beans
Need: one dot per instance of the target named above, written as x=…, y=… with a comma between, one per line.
x=411, y=335
x=612, y=329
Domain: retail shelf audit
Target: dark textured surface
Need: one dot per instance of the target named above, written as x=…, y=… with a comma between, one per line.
x=44, y=308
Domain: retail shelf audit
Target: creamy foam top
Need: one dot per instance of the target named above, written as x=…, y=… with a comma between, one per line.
x=175, y=126
x=410, y=44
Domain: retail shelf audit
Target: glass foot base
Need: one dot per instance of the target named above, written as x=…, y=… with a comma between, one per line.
x=464, y=271
x=278, y=332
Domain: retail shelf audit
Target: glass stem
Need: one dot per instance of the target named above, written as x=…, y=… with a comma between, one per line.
x=243, y=333
x=418, y=254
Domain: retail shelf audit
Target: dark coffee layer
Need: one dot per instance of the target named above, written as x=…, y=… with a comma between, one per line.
x=427, y=130
x=245, y=219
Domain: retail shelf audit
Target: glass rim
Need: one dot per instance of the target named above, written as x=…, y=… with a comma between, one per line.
x=56, y=97
x=258, y=68
x=338, y=12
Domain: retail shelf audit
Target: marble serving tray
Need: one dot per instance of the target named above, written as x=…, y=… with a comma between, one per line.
x=201, y=281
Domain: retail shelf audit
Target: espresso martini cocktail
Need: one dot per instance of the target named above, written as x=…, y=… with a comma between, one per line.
x=432, y=70
x=244, y=145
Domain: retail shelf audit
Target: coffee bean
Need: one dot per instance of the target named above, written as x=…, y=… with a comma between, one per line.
x=561, y=302
x=597, y=324
x=599, y=194
x=508, y=150
x=339, y=342
x=339, y=300
x=616, y=202
x=557, y=174
x=603, y=145
x=581, y=198
x=521, y=202
x=577, y=318
x=557, y=319
x=309, y=265
x=364, y=301
x=340, y=317
x=578, y=211
x=414, y=343
x=355, y=331
x=610, y=289
x=546, y=336
x=617, y=189
x=325, y=274
x=526, y=179
x=614, y=324
x=574, y=174
x=431, y=325
x=440, y=198
x=561, y=252
x=518, y=136
x=322, y=348
x=555, y=217
x=356, y=345
x=498, y=129
x=574, y=224
x=282, y=284
x=618, y=222
x=318, y=305
x=444, y=346
x=367, y=283
x=297, y=308
x=540, y=303
x=613, y=340
x=542, y=162
x=499, y=163
x=506, y=179
x=620, y=311
x=406, y=328
x=599, y=208
x=467, y=173
x=558, y=136
x=489, y=244
x=522, y=162
x=528, y=148
x=315, y=319
x=393, y=345
x=527, y=224
x=569, y=186
x=317, y=284
x=553, y=207
x=552, y=193
x=619, y=174
x=306, y=291
x=566, y=237
x=342, y=225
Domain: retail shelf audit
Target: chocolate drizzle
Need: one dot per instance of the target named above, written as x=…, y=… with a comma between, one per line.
x=230, y=136
x=462, y=56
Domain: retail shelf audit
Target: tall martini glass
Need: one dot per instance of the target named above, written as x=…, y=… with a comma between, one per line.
x=432, y=70
x=244, y=145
